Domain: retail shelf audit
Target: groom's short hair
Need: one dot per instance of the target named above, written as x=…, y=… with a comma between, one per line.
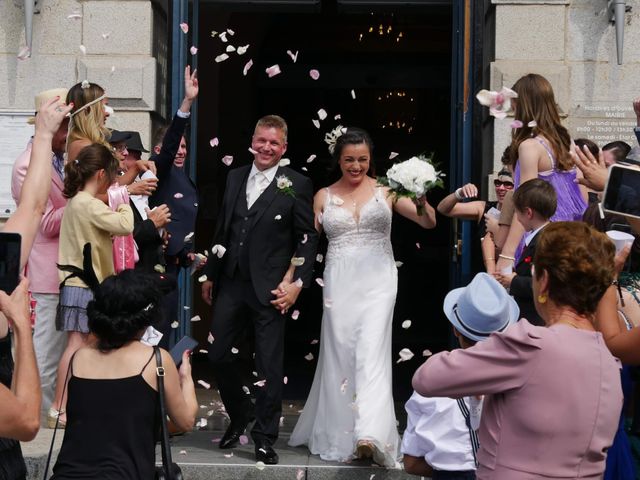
x=273, y=121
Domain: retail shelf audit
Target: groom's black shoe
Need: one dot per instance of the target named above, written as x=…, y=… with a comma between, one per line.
x=266, y=454
x=232, y=436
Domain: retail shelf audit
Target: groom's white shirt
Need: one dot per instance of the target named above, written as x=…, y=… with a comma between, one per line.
x=269, y=174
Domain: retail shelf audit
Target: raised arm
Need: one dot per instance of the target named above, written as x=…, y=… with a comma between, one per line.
x=453, y=205
x=182, y=404
x=409, y=209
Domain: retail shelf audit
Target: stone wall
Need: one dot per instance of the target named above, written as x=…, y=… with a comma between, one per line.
x=571, y=43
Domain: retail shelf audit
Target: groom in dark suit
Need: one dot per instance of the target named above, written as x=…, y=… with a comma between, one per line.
x=263, y=254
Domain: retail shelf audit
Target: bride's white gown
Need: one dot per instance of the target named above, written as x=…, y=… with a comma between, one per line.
x=351, y=396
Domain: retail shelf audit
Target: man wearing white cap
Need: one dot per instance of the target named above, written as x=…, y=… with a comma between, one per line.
x=41, y=268
x=440, y=440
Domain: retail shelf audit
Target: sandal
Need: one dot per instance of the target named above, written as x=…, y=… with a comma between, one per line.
x=52, y=417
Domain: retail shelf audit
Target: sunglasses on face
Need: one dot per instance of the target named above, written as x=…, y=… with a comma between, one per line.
x=499, y=183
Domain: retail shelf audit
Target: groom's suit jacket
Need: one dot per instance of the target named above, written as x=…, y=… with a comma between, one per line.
x=262, y=240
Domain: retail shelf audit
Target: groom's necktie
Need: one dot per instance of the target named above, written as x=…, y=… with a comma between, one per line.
x=260, y=183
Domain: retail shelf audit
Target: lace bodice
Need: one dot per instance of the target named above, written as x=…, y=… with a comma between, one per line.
x=348, y=236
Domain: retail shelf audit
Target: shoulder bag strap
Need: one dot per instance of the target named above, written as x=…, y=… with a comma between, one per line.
x=473, y=436
x=164, y=441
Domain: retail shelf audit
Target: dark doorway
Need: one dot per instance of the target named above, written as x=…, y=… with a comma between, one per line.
x=397, y=66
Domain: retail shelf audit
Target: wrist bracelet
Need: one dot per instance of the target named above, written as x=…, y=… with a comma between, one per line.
x=507, y=257
x=458, y=195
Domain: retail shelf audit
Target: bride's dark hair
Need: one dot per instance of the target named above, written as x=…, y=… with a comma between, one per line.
x=353, y=136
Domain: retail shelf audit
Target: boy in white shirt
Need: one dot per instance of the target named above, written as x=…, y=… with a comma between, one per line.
x=440, y=440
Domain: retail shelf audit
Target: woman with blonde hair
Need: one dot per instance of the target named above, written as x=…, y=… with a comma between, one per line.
x=540, y=149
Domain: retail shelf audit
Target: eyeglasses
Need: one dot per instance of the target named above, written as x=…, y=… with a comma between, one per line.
x=119, y=148
x=499, y=183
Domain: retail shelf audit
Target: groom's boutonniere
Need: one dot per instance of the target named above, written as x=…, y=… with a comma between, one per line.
x=285, y=185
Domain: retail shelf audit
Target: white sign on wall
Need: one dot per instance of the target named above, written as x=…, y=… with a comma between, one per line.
x=15, y=133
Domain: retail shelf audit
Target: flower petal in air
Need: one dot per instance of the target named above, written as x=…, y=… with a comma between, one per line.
x=273, y=70
x=184, y=452
x=285, y=380
x=243, y=439
x=427, y=353
x=308, y=356
x=242, y=50
x=297, y=261
x=230, y=48
x=252, y=151
x=316, y=123
x=184, y=27
x=24, y=53
x=319, y=258
x=343, y=386
x=353, y=94
x=299, y=283
x=178, y=195
x=196, y=318
x=210, y=338
x=202, y=278
x=311, y=158
x=278, y=217
x=532, y=124
x=193, y=49
x=260, y=383
x=202, y=350
x=337, y=200
x=159, y=268
x=234, y=350
x=393, y=155
x=188, y=237
x=223, y=37
x=314, y=341
x=320, y=281
x=230, y=32
x=405, y=354
x=305, y=237
x=322, y=114
x=202, y=423
x=337, y=117
x=315, y=74
x=516, y=124
x=284, y=162
x=294, y=56
x=221, y=58
x=295, y=315
x=227, y=160
x=486, y=97
x=204, y=384
x=175, y=324
x=399, y=264
x=218, y=250
x=247, y=66
x=406, y=324
x=246, y=390
x=214, y=142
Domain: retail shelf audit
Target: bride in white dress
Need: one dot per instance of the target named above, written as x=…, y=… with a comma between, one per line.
x=349, y=412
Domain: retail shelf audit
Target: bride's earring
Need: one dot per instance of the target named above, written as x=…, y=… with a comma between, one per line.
x=542, y=299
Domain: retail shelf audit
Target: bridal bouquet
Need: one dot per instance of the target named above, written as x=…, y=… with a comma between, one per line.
x=412, y=178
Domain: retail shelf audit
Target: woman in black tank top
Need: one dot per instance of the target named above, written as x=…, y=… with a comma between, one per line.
x=112, y=406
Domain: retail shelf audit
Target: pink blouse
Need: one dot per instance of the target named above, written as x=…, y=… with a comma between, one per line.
x=553, y=404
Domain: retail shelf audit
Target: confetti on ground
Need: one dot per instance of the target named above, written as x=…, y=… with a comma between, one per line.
x=273, y=70
x=322, y=114
x=278, y=217
x=202, y=279
x=227, y=160
x=196, y=318
x=314, y=341
x=204, y=384
x=260, y=465
x=260, y=383
x=74, y=16
x=316, y=123
x=210, y=338
x=308, y=356
x=175, y=324
x=294, y=56
x=247, y=66
x=311, y=158
x=371, y=476
x=193, y=49
x=113, y=68
x=24, y=53
x=83, y=49
x=184, y=27
x=427, y=353
x=105, y=35
x=295, y=315
x=284, y=162
x=297, y=261
x=242, y=50
x=406, y=324
x=214, y=142
x=228, y=455
x=282, y=421
x=183, y=452
x=393, y=155
x=299, y=474
x=216, y=440
x=320, y=281
x=353, y=94
x=343, y=386
x=218, y=250
x=221, y=58
x=315, y=74
x=319, y=258
x=230, y=48
x=243, y=439
x=405, y=354
x=202, y=423
x=234, y=350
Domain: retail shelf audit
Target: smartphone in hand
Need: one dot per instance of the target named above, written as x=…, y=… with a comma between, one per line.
x=9, y=261
x=185, y=343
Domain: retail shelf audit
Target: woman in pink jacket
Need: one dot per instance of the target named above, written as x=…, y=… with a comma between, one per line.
x=553, y=393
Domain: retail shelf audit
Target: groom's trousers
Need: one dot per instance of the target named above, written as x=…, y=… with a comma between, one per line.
x=237, y=308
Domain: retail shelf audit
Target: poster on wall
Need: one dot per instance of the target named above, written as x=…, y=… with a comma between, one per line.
x=15, y=132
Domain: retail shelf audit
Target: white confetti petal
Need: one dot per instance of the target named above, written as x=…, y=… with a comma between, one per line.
x=337, y=200
x=393, y=155
x=328, y=303
x=227, y=160
x=337, y=117
x=242, y=50
x=418, y=245
x=299, y=474
x=297, y=261
x=188, y=237
x=204, y=384
x=260, y=465
x=311, y=158
x=74, y=16
x=196, y=318
x=178, y=195
x=221, y=58
x=278, y=217
x=308, y=356
x=273, y=70
x=202, y=423
x=353, y=94
x=252, y=151
x=184, y=27
x=230, y=48
x=254, y=373
x=186, y=308
x=315, y=74
x=202, y=350
x=406, y=324
x=83, y=49
x=230, y=32
x=214, y=142
x=246, y=390
x=399, y=264
x=284, y=162
x=343, y=386
x=210, y=338
x=247, y=66
x=213, y=33
x=24, y=53
x=427, y=353
x=532, y=124
x=202, y=279
x=314, y=341
x=281, y=421
x=218, y=250
x=304, y=169
x=320, y=282
x=319, y=258
x=295, y=315
x=285, y=380
x=298, y=283
x=305, y=238
x=183, y=452
x=260, y=383
x=159, y=268
x=223, y=37
x=175, y=324
x=105, y=35
x=193, y=49
x=322, y=114
x=243, y=439
x=405, y=354
x=228, y=455
x=316, y=123
x=294, y=56
x=234, y=350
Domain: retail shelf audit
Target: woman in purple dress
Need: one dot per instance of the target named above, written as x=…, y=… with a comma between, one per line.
x=540, y=149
